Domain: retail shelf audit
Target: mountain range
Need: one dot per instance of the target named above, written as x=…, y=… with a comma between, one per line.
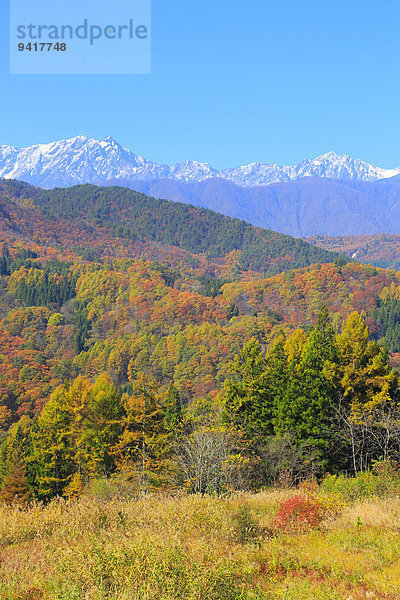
x=306, y=207
x=330, y=195
x=84, y=160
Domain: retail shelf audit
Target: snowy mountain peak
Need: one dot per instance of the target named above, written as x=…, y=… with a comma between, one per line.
x=329, y=156
x=78, y=138
x=110, y=140
x=85, y=160
x=192, y=170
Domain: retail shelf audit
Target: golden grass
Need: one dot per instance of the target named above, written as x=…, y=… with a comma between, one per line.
x=188, y=547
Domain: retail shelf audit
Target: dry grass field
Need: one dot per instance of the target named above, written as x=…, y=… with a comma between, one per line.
x=195, y=548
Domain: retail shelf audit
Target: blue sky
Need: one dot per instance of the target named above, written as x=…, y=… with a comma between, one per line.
x=233, y=81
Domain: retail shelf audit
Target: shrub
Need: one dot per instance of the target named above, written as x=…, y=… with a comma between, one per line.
x=350, y=489
x=383, y=480
x=299, y=513
x=120, y=486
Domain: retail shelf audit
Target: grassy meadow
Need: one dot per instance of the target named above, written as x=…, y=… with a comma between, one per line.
x=190, y=547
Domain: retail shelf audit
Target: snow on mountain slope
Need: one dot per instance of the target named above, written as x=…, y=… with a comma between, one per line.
x=84, y=160
x=77, y=160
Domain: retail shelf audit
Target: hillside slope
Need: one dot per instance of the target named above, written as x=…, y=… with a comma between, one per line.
x=136, y=217
x=380, y=250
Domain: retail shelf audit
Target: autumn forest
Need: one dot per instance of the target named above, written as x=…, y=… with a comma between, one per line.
x=160, y=346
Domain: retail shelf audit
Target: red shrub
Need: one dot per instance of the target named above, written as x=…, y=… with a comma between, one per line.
x=298, y=513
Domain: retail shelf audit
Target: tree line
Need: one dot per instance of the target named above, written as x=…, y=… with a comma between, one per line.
x=335, y=393
x=314, y=402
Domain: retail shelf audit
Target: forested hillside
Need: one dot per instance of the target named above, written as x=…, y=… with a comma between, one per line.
x=380, y=250
x=135, y=217
x=123, y=357
x=308, y=206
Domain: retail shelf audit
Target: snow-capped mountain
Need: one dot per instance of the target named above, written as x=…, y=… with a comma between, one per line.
x=77, y=160
x=327, y=165
x=84, y=160
x=192, y=170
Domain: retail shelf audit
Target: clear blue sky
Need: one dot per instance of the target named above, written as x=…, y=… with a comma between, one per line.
x=233, y=81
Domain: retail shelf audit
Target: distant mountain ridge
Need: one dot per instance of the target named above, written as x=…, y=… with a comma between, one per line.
x=310, y=206
x=84, y=160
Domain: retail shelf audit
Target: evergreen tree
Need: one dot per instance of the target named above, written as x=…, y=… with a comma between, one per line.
x=5, y=260
x=304, y=409
x=173, y=408
x=83, y=327
x=248, y=401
